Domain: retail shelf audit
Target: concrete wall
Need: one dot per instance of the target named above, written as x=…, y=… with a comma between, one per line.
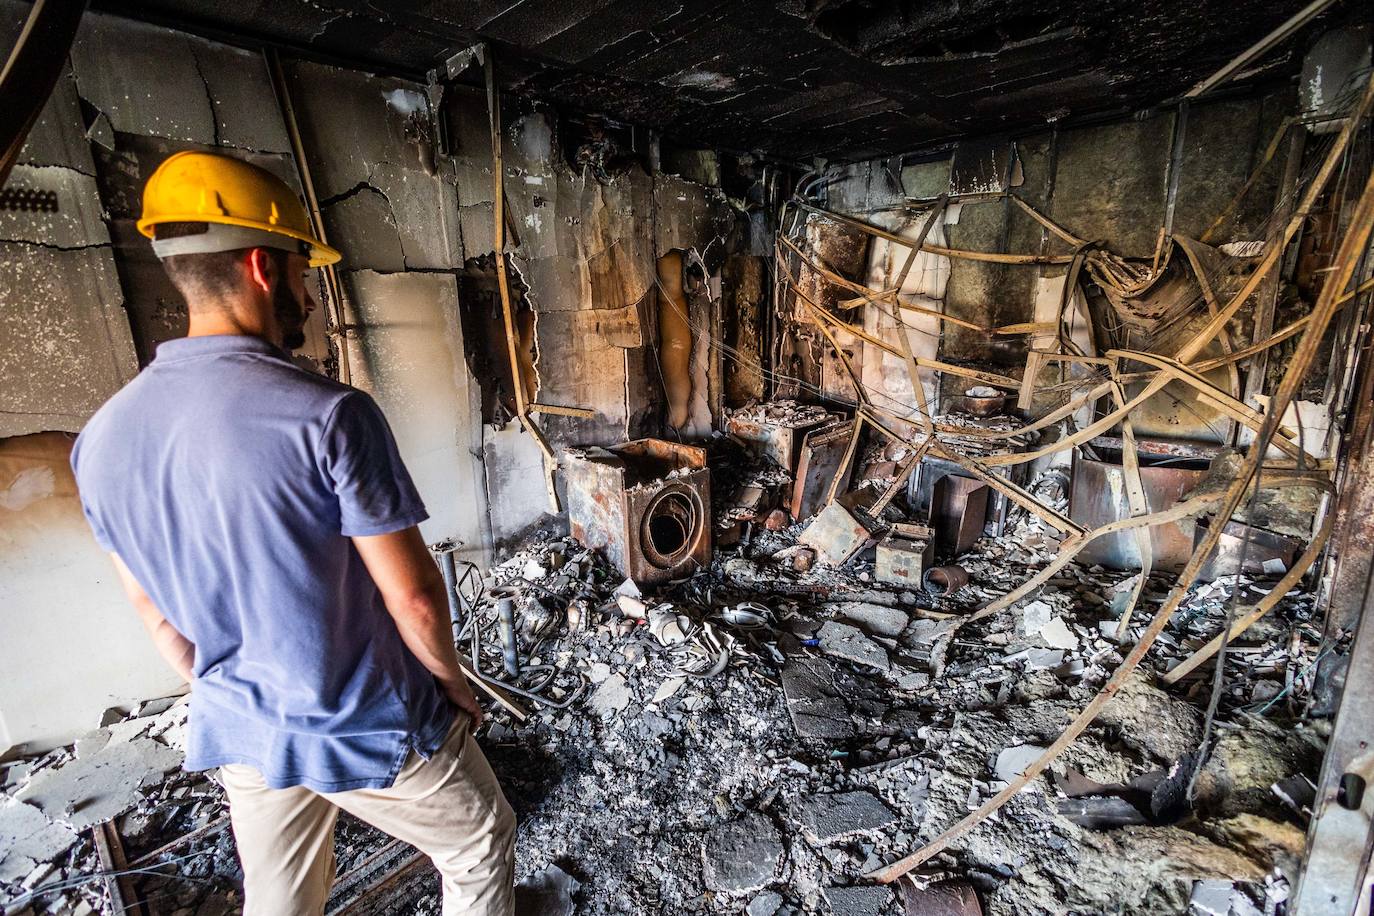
x=83, y=304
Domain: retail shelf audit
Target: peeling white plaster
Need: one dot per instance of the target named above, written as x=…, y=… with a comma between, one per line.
x=28, y=487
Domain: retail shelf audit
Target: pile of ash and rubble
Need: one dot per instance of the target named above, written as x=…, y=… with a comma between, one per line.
x=779, y=707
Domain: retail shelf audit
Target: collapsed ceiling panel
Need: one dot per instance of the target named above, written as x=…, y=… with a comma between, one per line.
x=832, y=78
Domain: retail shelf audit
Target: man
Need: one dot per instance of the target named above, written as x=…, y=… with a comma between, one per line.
x=263, y=525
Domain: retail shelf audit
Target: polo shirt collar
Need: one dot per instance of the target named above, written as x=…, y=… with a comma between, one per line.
x=216, y=345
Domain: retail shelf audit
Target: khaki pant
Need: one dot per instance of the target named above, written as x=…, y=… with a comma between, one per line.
x=450, y=807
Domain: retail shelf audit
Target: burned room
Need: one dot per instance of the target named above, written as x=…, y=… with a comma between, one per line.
x=782, y=458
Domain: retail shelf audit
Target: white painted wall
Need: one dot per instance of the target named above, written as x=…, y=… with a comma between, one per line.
x=71, y=646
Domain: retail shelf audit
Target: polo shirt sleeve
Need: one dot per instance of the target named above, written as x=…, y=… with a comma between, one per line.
x=102, y=537
x=359, y=455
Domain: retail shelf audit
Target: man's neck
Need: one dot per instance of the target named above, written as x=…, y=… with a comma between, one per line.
x=227, y=320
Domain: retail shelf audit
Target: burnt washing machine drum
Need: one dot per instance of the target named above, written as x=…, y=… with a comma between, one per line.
x=645, y=504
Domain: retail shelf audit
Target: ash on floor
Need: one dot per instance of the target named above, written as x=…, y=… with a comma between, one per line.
x=757, y=738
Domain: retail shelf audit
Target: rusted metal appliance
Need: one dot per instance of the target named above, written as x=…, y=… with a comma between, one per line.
x=646, y=504
x=904, y=555
x=1098, y=497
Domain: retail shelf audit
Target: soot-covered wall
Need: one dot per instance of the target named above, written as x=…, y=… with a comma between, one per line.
x=83, y=304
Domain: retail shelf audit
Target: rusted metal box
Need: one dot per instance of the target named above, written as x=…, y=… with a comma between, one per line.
x=646, y=504
x=778, y=439
x=904, y=555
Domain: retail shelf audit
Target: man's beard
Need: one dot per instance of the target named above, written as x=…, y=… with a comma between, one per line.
x=290, y=318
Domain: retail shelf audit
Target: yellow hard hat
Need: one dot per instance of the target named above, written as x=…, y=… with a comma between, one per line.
x=245, y=207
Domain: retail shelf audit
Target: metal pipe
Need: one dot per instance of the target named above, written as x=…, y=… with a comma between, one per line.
x=945, y=580
x=331, y=275
x=505, y=613
x=450, y=571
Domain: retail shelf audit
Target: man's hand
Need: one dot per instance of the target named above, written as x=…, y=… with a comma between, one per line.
x=413, y=591
x=460, y=694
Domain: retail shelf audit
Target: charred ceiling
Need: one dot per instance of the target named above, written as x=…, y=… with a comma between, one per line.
x=841, y=79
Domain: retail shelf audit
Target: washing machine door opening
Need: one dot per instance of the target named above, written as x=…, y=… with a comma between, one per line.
x=670, y=528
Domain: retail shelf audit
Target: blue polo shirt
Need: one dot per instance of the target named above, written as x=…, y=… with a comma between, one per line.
x=230, y=481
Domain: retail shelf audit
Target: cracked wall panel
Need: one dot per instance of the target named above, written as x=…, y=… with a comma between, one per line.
x=687, y=215
x=72, y=346
x=465, y=110
x=580, y=370
x=77, y=221
x=408, y=354
x=1110, y=183
x=424, y=216
x=351, y=122
x=145, y=79
x=58, y=137
x=363, y=227
x=516, y=495
x=371, y=137
x=241, y=97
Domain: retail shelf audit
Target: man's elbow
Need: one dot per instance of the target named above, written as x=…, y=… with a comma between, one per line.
x=422, y=606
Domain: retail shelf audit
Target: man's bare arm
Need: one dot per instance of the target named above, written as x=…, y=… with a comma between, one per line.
x=413, y=591
x=174, y=648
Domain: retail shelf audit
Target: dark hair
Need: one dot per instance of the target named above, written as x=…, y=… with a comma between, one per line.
x=214, y=275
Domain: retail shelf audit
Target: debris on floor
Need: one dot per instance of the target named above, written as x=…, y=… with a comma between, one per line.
x=757, y=738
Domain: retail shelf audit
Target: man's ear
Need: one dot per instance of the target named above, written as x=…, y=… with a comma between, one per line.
x=262, y=270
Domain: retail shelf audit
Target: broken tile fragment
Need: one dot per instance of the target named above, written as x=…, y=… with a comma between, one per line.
x=848, y=643
x=827, y=818
x=1013, y=761
x=742, y=855
x=815, y=705
x=876, y=619
x=27, y=838
x=765, y=904
x=610, y=697
x=875, y=900
x=1057, y=634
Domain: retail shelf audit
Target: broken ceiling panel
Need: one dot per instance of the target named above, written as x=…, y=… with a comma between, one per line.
x=67, y=306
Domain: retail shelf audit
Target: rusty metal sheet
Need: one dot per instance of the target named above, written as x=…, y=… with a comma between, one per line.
x=838, y=532
x=958, y=512
x=1097, y=496
x=822, y=453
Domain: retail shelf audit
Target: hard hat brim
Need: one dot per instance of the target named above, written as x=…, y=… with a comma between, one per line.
x=321, y=254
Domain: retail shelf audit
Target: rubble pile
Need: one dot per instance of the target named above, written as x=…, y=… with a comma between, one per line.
x=835, y=740
x=757, y=737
